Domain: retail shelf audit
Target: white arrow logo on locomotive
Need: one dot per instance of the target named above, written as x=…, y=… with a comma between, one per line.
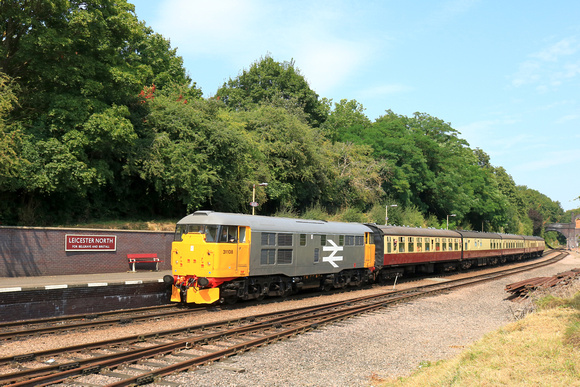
x=332, y=258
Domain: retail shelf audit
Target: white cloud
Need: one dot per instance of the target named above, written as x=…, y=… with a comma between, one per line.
x=208, y=27
x=551, y=67
x=565, y=47
x=552, y=159
x=240, y=32
x=567, y=118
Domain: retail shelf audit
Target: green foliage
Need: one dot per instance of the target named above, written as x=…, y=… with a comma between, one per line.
x=268, y=81
x=316, y=212
x=346, y=115
x=10, y=134
x=351, y=215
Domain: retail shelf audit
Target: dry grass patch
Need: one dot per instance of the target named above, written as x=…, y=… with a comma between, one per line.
x=529, y=352
x=542, y=349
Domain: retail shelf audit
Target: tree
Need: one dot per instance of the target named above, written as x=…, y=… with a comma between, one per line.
x=80, y=68
x=267, y=81
x=345, y=115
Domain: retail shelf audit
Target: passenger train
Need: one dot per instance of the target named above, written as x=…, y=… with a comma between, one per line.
x=222, y=257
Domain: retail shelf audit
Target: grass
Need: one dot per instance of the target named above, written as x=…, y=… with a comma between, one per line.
x=542, y=349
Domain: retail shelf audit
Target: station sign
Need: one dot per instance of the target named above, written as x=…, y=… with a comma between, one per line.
x=90, y=242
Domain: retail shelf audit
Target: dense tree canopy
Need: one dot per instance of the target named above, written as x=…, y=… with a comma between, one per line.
x=98, y=119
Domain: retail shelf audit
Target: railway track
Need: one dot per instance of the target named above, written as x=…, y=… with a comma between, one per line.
x=140, y=360
x=18, y=329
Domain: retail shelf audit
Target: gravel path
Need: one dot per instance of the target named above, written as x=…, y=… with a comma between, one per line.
x=370, y=348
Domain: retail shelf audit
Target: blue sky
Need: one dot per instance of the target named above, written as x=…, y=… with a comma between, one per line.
x=506, y=74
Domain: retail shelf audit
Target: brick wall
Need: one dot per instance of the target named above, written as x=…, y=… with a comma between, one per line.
x=33, y=251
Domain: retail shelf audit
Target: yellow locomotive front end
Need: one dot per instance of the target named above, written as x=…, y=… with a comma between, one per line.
x=203, y=257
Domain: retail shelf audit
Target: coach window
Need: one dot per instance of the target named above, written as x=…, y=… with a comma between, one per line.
x=411, y=244
x=437, y=244
x=419, y=244
x=444, y=244
x=456, y=245
x=427, y=244
x=401, y=244
x=302, y=239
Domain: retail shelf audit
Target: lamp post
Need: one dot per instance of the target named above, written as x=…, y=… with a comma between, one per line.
x=253, y=203
x=448, y=220
x=387, y=212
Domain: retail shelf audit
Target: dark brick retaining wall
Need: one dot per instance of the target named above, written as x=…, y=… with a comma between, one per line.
x=33, y=251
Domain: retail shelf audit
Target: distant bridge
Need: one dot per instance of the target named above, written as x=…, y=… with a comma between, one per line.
x=570, y=230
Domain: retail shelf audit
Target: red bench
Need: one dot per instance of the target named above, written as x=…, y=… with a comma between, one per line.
x=143, y=258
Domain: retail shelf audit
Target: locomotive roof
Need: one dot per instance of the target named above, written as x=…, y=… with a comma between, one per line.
x=269, y=223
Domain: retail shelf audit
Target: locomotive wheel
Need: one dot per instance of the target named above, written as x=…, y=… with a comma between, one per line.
x=261, y=294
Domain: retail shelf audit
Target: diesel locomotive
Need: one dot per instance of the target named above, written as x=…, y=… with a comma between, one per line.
x=226, y=257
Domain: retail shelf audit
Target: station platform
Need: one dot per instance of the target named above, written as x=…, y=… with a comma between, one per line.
x=14, y=284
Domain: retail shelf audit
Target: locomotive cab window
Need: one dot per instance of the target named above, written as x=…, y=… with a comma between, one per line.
x=211, y=232
x=242, y=235
x=228, y=234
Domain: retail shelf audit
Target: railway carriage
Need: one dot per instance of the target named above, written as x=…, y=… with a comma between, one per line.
x=410, y=249
x=232, y=256
x=481, y=248
x=534, y=246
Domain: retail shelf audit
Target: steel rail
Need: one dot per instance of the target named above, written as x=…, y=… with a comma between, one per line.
x=91, y=324
x=85, y=316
